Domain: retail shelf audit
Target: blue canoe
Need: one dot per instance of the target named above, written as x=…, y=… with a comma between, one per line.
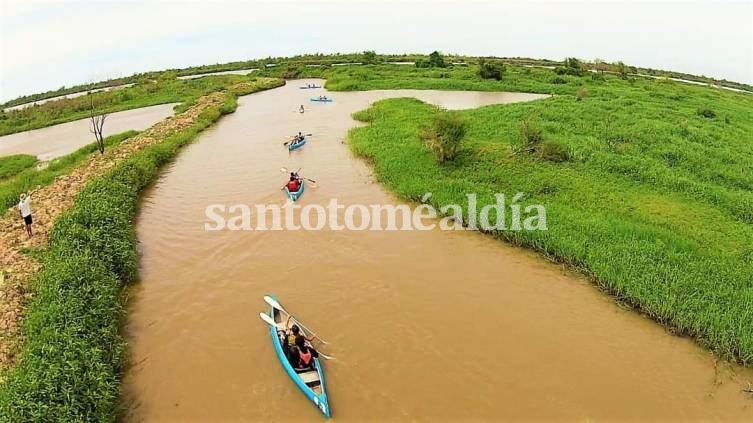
x=310, y=88
x=294, y=196
x=310, y=382
x=297, y=145
x=321, y=99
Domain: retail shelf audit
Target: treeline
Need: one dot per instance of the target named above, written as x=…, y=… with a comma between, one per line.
x=370, y=57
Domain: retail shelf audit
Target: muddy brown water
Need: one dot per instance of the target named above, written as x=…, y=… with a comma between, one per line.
x=58, y=140
x=425, y=325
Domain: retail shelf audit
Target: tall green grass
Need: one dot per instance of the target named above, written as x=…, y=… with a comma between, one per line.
x=650, y=198
x=70, y=367
x=30, y=178
x=12, y=165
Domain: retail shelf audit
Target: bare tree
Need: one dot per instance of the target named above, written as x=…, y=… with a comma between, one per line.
x=97, y=123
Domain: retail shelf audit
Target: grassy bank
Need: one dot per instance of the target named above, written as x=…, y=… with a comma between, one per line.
x=30, y=177
x=647, y=185
x=150, y=92
x=70, y=366
x=13, y=165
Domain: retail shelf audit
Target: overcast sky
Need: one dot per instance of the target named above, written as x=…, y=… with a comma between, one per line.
x=49, y=44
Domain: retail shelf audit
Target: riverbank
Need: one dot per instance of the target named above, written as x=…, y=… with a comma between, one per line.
x=163, y=89
x=69, y=365
x=645, y=186
x=405, y=297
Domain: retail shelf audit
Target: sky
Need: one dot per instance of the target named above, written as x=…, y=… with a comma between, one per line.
x=48, y=44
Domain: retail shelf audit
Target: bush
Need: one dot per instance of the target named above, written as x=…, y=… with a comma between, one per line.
x=491, y=69
x=706, y=112
x=582, y=93
x=436, y=60
x=369, y=57
x=531, y=133
x=559, y=80
x=621, y=69
x=446, y=133
x=554, y=152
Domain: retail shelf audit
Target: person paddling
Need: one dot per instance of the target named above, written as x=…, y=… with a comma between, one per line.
x=293, y=185
x=24, y=209
x=302, y=355
x=295, y=332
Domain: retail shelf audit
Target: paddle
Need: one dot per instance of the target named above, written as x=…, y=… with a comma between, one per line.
x=288, y=142
x=272, y=302
x=280, y=326
x=285, y=170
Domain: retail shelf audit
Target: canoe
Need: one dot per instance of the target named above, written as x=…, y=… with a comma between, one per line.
x=310, y=88
x=310, y=382
x=321, y=99
x=297, y=145
x=294, y=196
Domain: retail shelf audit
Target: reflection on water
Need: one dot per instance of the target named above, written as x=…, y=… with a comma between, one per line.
x=425, y=325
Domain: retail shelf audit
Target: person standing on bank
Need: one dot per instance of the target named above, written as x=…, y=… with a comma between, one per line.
x=24, y=209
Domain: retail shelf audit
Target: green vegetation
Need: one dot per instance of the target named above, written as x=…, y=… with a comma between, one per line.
x=12, y=165
x=166, y=89
x=491, y=69
x=70, y=366
x=30, y=178
x=445, y=134
x=367, y=58
x=646, y=183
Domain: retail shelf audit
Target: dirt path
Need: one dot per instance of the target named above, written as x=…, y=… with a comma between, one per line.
x=17, y=268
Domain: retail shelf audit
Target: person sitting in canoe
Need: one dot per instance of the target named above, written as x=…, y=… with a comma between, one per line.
x=302, y=355
x=295, y=331
x=293, y=185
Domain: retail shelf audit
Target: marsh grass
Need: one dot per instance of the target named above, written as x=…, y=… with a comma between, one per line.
x=71, y=363
x=649, y=198
x=12, y=165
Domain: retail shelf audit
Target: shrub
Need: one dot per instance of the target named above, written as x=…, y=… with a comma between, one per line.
x=554, y=152
x=491, y=69
x=369, y=57
x=559, y=80
x=573, y=67
x=582, y=93
x=436, y=60
x=621, y=69
x=446, y=133
x=706, y=112
x=531, y=133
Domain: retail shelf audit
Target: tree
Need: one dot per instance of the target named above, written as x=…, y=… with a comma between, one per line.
x=369, y=57
x=491, y=69
x=97, y=123
x=436, y=60
x=622, y=69
x=599, y=65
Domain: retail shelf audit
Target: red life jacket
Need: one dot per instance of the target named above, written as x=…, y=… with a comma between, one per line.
x=305, y=357
x=293, y=186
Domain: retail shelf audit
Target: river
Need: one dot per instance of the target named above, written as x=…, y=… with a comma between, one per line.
x=425, y=325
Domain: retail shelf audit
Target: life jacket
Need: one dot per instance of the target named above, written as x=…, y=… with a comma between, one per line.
x=291, y=340
x=293, y=186
x=305, y=357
